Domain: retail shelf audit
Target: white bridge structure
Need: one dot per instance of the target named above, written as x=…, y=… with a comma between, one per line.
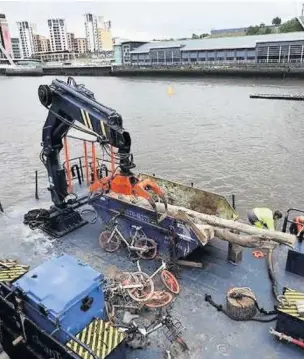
x=7, y=55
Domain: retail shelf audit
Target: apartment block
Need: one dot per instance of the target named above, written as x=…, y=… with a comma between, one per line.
x=16, y=48
x=80, y=45
x=91, y=31
x=58, y=34
x=26, y=38
x=71, y=38
x=41, y=44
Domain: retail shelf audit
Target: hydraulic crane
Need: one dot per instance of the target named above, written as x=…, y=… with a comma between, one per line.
x=67, y=104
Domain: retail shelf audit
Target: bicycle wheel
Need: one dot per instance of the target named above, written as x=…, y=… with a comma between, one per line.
x=149, y=245
x=146, y=290
x=159, y=300
x=182, y=344
x=170, y=281
x=109, y=245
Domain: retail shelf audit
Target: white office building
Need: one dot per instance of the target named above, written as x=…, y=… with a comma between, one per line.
x=91, y=31
x=58, y=34
x=26, y=38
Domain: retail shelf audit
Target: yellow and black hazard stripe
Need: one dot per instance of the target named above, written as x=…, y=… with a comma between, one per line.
x=100, y=337
x=103, y=129
x=12, y=273
x=86, y=119
x=288, y=302
x=88, y=123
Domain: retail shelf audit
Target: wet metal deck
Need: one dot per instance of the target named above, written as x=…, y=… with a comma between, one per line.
x=210, y=334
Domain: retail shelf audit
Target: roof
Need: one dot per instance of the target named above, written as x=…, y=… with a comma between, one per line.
x=239, y=42
x=133, y=42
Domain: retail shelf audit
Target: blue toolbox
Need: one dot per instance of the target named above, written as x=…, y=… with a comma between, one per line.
x=62, y=295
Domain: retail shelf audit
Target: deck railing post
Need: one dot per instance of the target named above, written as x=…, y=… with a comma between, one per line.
x=36, y=185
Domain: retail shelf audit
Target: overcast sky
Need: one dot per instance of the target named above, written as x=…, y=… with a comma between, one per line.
x=146, y=20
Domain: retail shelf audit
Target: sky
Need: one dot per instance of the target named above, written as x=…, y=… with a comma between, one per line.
x=147, y=20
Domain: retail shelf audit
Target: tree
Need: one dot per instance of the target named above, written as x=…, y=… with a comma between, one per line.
x=276, y=21
x=194, y=36
x=253, y=30
x=267, y=31
x=203, y=35
x=292, y=25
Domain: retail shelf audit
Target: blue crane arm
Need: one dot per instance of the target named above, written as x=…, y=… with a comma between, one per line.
x=68, y=105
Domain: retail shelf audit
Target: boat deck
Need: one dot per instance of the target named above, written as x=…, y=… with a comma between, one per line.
x=209, y=333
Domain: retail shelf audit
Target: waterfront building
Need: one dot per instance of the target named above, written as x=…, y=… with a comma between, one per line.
x=105, y=36
x=80, y=45
x=58, y=35
x=16, y=48
x=126, y=47
x=5, y=38
x=62, y=56
x=91, y=31
x=26, y=38
x=71, y=38
x=272, y=48
x=41, y=44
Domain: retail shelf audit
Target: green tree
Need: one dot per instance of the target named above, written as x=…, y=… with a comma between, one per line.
x=253, y=30
x=291, y=26
x=276, y=21
x=194, y=36
x=203, y=35
x=267, y=31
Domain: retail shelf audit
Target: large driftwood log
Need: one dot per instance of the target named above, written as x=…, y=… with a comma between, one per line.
x=222, y=228
x=207, y=232
x=263, y=234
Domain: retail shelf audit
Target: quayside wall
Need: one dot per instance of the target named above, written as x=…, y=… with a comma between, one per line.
x=240, y=70
x=235, y=70
x=77, y=71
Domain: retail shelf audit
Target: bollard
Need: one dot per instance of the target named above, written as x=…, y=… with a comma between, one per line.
x=1, y=208
x=36, y=185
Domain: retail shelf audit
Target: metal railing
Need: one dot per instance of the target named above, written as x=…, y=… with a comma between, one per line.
x=78, y=168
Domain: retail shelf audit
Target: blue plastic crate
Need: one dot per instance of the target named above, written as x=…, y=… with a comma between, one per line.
x=62, y=291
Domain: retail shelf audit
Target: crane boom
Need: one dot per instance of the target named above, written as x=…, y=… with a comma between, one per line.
x=69, y=103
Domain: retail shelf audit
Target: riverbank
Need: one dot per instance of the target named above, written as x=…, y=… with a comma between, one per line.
x=238, y=70
x=207, y=70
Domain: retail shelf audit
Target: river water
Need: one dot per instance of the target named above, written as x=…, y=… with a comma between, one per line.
x=208, y=132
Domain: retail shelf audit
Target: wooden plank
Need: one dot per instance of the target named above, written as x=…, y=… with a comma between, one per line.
x=189, y=264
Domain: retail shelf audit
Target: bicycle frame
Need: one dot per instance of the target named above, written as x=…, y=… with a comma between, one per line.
x=161, y=268
x=129, y=246
x=145, y=332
